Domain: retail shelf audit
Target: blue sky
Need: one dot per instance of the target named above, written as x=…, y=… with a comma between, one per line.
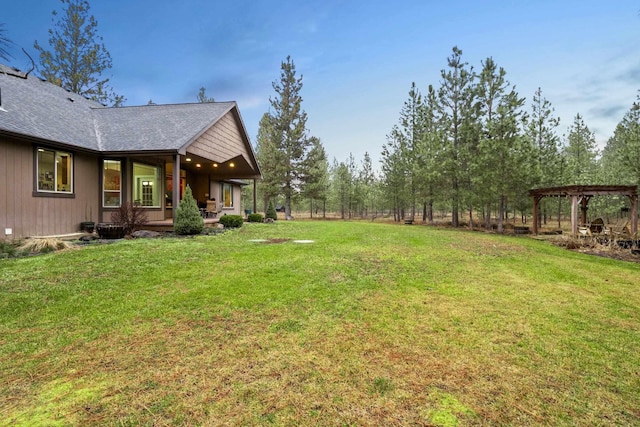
x=357, y=58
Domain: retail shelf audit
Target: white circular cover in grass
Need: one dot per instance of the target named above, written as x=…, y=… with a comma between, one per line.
x=258, y=240
x=303, y=241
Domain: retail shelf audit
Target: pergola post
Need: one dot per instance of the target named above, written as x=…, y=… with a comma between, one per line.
x=536, y=203
x=634, y=215
x=574, y=214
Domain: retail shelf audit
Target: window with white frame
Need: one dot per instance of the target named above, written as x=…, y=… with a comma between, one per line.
x=147, y=185
x=111, y=182
x=54, y=171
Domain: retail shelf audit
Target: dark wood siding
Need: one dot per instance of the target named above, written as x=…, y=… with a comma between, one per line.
x=30, y=215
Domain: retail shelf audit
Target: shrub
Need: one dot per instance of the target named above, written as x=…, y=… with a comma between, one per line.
x=231, y=221
x=271, y=212
x=188, y=218
x=256, y=217
x=130, y=216
x=8, y=249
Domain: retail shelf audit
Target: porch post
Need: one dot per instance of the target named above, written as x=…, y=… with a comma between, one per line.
x=255, y=196
x=176, y=186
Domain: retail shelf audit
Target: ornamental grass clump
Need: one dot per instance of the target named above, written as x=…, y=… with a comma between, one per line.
x=44, y=245
x=188, y=219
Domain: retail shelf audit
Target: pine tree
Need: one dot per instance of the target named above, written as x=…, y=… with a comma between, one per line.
x=622, y=154
x=203, y=98
x=580, y=152
x=79, y=58
x=288, y=122
x=542, y=133
x=315, y=178
x=269, y=158
x=188, y=218
x=457, y=109
x=501, y=156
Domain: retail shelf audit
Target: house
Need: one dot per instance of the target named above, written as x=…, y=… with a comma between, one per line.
x=65, y=159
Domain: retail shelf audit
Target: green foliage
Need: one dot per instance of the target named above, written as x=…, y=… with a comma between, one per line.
x=203, y=98
x=79, y=58
x=254, y=217
x=231, y=221
x=283, y=142
x=271, y=212
x=8, y=249
x=188, y=219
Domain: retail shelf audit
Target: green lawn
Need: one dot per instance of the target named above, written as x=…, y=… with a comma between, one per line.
x=371, y=324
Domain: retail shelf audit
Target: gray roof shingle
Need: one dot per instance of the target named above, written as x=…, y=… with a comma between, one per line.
x=38, y=109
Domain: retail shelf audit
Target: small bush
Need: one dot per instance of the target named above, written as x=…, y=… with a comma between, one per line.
x=256, y=217
x=188, y=219
x=8, y=249
x=271, y=212
x=130, y=216
x=231, y=221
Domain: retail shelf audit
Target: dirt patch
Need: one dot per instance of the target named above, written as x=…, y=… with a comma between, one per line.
x=274, y=240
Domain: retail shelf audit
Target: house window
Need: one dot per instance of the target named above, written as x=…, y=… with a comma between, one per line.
x=227, y=195
x=111, y=177
x=55, y=171
x=146, y=185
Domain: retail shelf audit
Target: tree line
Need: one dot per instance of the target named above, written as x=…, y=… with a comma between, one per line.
x=469, y=148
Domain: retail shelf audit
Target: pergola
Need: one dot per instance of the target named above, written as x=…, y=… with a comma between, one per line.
x=581, y=194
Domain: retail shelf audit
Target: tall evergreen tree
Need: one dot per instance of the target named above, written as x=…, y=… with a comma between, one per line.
x=429, y=155
x=502, y=152
x=622, y=153
x=315, y=178
x=288, y=122
x=580, y=152
x=367, y=180
x=457, y=109
x=542, y=131
x=78, y=57
x=269, y=158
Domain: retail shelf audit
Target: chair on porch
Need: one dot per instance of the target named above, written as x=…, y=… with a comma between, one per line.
x=210, y=210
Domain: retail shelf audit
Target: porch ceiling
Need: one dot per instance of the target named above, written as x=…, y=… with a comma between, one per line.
x=234, y=168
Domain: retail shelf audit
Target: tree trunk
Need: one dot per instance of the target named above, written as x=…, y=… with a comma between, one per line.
x=501, y=215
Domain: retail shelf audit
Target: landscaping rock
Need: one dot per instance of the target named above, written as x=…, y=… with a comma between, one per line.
x=145, y=234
